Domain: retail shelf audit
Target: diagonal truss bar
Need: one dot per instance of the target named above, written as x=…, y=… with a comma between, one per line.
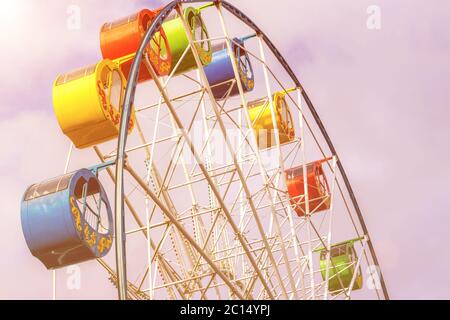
x=126, y=114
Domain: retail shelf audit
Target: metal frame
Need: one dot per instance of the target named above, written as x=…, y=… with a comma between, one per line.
x=274, y=278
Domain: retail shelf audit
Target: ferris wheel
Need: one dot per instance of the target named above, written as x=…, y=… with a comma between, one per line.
x=225, y=182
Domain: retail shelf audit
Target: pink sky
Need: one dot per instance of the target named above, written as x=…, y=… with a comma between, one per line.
x=382, y=94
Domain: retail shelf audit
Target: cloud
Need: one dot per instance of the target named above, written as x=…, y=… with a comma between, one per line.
x=383, y=95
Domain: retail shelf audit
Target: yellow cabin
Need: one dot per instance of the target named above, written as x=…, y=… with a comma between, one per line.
x=261, y=118
x=88, y=102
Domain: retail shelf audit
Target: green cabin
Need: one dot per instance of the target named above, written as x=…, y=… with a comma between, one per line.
x=342, y=265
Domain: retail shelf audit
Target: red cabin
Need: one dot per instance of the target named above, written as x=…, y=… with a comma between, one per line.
x=119, y=41
x=318, y=189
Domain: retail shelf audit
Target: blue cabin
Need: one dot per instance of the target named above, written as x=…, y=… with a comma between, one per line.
x=67, y=220
x=220, y=72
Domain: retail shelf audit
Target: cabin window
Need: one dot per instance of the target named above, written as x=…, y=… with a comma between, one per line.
x=116, y=89
x=158, y=45
x=48, y=187
x=145, y=23
x=120, y=22
x=198, y=32
x=75, y=75
x=298, y=171
x=219, y=46
x=338, y=251
x=92, y=205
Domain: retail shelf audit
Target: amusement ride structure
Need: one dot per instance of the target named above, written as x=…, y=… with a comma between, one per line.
x=226, y=183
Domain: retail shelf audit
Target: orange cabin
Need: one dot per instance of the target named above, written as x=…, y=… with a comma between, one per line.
x=318, y=189
x=119, y=41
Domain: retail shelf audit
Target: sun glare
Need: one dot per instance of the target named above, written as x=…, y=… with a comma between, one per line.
x=9, y=10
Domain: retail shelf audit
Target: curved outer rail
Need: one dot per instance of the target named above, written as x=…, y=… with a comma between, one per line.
x=126, y=113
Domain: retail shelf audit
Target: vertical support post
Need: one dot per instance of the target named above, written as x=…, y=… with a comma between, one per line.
x=54, y=284
x=147, y=225
x=147, y=199
x=261, y=167
x=281, y=166
x=355, y=273
x=330, y=223
x=238, y=170
x=66, y=168
x=120, y=240
x=306, y=195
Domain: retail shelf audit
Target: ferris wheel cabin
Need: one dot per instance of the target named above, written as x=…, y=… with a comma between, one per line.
x=342, y=267
x=220, y=73
x=119, y=41
x=261, y=117
x=87, y=103
x=67, y=220
x=178, y=41
x=317, y=184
